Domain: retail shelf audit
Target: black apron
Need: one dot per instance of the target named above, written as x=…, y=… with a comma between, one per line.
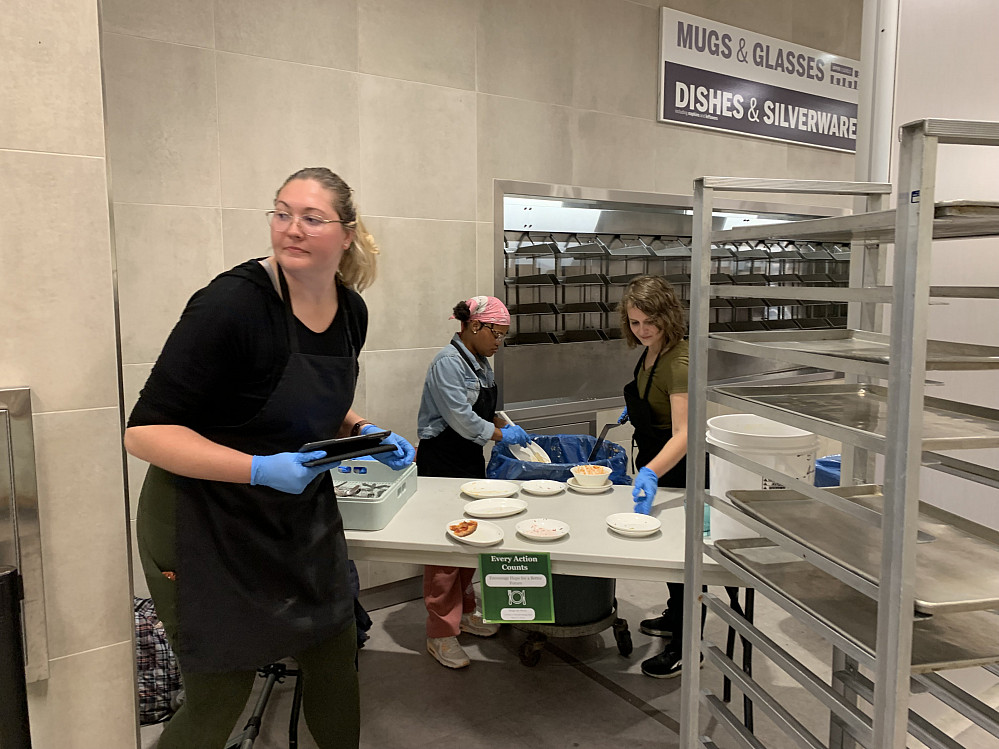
x=451, y=455
x=649, y=438
x=262, y=574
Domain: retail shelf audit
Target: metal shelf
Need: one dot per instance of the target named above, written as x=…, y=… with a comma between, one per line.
x=536, y=308
x=590, y=279
x=854, y=351
x=951, y=220
x=954, y=563
x=962, y=468
x=848, y=562
x=957, y=640
x=577, y=308
x=859, y=414
x=536, y=279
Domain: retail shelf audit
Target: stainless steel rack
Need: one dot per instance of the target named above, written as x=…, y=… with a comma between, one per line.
x=564, y=287
x=864, y=586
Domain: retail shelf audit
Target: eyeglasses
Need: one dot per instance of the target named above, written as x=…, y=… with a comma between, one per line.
x=311, y=225
x=489, y=326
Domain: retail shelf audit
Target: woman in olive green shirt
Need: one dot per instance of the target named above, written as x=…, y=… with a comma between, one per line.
x=656, y=399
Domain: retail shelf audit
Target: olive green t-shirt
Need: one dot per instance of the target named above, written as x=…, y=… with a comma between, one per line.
x=670, y=377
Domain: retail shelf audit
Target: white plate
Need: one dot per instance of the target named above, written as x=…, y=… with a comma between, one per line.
x=486, y=534
x=540, y=456
x=543, y=487
x=633, y=524
x=531, y=453
x=577, y=487
x=542, y=529
x=522, y=453
x=495, y=508
x=486, y=488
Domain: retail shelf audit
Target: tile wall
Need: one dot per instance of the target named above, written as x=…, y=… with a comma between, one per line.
x=59, y=339
x=209, y=105
x=419, y=106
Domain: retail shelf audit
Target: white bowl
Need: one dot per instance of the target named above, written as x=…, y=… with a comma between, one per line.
x=591, y=475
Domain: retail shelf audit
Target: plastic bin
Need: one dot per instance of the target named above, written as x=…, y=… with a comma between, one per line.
x=779, y=446
x=827, y=471
x=372, y=513
x=566, y=451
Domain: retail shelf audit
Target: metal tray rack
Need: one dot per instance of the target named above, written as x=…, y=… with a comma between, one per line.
x=949, y=545
x=859, y=414
x=958, y=219
x=962, y=640
x=542, y=270
x=895, y=585
x=854, y=351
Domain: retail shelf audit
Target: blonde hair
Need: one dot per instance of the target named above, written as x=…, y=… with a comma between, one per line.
x=359, y=265
x=655, y=297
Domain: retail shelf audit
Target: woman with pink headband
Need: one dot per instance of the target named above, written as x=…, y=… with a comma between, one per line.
x=457, y=418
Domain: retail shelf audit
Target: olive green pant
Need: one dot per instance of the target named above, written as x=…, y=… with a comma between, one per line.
x=214, y=702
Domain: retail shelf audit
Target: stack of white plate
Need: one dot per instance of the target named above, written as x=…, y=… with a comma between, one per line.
x=633, y=524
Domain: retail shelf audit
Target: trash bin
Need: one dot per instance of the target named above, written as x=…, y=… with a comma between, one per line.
x=773, y=444
x=566, y=451
x=577, y=600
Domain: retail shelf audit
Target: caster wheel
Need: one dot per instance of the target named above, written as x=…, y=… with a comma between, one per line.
x=623, y=637
x=530, y=654
x=624, y=644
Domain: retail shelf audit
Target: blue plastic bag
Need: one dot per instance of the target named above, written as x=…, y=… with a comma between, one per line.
x=566, y=451
x=827, y=471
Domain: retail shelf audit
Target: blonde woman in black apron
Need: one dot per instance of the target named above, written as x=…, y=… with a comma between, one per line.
x=656, y=400
x=241, y=544
x=457, y=418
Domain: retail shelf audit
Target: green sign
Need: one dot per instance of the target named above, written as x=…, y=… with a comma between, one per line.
x=516, y=588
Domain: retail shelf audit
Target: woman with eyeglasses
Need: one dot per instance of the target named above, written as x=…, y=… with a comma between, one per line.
x=457, y=418
x=241, y=542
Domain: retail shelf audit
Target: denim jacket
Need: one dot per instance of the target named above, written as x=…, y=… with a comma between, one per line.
x=450, y=390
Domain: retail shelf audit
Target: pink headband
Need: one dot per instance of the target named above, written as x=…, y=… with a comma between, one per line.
x=488, y=309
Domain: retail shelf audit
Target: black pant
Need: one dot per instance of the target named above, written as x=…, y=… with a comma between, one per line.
x=676, y=477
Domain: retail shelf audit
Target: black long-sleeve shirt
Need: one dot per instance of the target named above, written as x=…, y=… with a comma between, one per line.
x=227, y=352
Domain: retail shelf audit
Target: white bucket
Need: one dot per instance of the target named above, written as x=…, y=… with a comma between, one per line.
x=770, y=443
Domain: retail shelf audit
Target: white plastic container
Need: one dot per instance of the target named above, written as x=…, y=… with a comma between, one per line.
x=769, y=443
x=361, y=514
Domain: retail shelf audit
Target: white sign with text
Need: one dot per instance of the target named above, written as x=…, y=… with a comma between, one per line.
x=725, y=78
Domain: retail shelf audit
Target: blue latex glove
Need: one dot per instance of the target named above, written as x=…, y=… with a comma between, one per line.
x=403, y=455
x=646, y=484
x=514, y=435
x=623, y=418
x=285, y=472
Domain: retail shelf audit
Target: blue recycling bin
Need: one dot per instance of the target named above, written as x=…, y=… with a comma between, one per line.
x=827, y=471
x=565, y=451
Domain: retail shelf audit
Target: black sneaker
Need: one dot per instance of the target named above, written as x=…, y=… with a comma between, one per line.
x=660, y=626
x=666, y=665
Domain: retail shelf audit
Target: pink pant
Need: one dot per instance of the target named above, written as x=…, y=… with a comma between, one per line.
x=447, y=592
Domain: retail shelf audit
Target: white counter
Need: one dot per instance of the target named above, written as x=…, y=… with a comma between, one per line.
x=418, y=534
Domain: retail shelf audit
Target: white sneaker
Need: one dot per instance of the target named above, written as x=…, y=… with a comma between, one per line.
x=473, y=624
x=447, y=651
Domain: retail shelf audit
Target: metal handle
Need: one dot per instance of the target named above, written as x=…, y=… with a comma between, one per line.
x=14, y=729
